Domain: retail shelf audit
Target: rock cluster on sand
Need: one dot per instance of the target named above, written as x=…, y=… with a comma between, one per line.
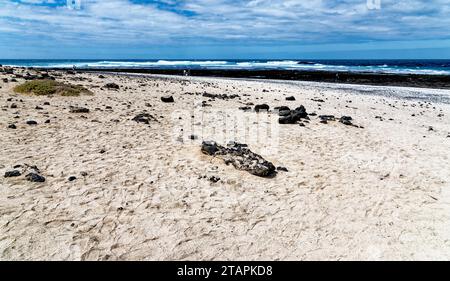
x=32, y=173
x=220, y=96
x=288, y=116
x=240, y=157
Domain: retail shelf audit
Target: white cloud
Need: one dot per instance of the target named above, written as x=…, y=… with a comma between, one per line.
x=319, y=21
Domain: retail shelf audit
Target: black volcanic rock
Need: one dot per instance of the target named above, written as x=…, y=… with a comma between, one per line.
x=144, y=118
x=262, y=107
x=12, y=174
x=167, y=99
x=79, y=110
x=240, y=157
x=293, y=116
x=112, y=86
x=346, y=120
x=33, y=177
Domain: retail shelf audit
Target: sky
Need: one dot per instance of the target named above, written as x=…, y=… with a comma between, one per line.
x=225, y=29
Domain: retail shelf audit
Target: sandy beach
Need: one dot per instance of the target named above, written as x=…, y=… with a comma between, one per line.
x=375, y=189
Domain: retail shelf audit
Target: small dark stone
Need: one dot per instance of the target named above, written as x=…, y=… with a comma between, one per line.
x=282, y=108
x=72, y=178
x=13, y=173
x=32, y=122
x=12, y=126
x=290, y=98
x=214, y=179
x=101, y=77
x=144, y=118
x=327, y=118
x=346, y=120
x=13, y=105
x=167, y=99
x=283, y=169
x=209, y=147
x=245, y=108
x=38, y=108
x=46, y=103
x=33, y=177
x=193, y=137
x=113, y=86
x=47, y=121
x=79, y=110
x=262, y=107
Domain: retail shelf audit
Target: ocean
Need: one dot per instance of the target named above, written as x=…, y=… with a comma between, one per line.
x=432, y=67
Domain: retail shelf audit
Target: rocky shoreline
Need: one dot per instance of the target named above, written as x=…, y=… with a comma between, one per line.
x=376, y=79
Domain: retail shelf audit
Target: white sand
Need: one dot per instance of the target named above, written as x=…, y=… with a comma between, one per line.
x=380, y=192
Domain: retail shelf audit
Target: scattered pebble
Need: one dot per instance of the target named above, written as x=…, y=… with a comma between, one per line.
x=33, y=177
x=13, y=173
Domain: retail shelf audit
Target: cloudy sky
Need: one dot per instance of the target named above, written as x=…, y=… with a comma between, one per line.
x=224, y=29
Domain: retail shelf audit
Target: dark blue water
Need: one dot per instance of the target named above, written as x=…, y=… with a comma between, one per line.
x=434, y=67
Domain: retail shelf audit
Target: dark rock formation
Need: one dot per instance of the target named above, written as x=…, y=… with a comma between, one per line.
x=346, y=120
x=290, y=98
x=167, y=99
x=33, y=177
x=262, y=107
x=293, y=116
x=112, y=86
x=282, y=169
x=214, y=179
x=13, y=173
x=144, y=118
x=240, y=157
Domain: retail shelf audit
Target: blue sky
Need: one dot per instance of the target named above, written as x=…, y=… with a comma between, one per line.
x=221, y=29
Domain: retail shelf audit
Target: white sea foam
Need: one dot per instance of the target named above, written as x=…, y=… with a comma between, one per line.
x=223, y=64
